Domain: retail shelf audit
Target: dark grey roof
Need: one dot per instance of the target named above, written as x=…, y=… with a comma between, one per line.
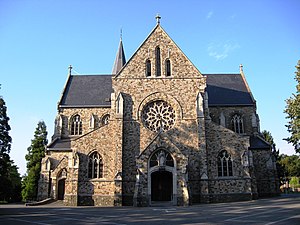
x=87, y=91
x=60, y=144
x=120, y=59
x=95, y=91
x=258, y=143
x=227, y=90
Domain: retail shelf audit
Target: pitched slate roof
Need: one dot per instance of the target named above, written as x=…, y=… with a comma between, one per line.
x=87, y=91
x=95, y=91
x=228, y=90
x=60, y=144
x=257, y=142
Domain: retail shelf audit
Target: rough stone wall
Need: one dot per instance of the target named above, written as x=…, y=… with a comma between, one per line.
x=265, y=172
x=240, y=184
x=180, y=91
x=180, y=65
x=245, y=111
x=85, y=116
x=98, y=191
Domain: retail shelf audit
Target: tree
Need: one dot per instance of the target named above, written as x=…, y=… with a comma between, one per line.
x=5, y=146
x=267, y=136
x=291, y=165
x=10, y=180
x=36, y=152
x=293, y=114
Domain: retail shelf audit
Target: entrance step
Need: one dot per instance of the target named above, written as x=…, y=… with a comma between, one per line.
x=161, y=203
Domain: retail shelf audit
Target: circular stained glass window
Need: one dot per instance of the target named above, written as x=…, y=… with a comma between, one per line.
x=158, y=115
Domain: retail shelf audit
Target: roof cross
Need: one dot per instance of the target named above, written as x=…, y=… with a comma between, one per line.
x=158, y=18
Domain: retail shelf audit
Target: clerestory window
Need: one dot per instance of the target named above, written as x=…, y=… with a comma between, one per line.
x=105, y=119
x=95, y=166
x=237, y=124
x=225, y=164
x=76, y=125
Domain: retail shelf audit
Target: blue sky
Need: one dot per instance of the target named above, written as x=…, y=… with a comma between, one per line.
x=40, y=39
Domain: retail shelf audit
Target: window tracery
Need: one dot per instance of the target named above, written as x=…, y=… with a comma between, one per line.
x=237, y=124
x=95, y=166
x=158, y=116
x=225, y=163
x=161, y=158
x=76, y=125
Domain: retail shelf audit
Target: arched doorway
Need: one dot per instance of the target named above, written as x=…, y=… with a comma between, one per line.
x=61, y=189
x=61, y=183
x=161, y=186
x=162, y=177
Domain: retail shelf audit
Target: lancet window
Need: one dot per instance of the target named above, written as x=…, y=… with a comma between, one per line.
x=148, y=68
x=168, y=68
x=158, y=62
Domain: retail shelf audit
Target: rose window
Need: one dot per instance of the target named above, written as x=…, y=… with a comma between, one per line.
x=158, y=115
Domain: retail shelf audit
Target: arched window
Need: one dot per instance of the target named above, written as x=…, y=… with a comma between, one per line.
x=95, y=169
x=157, y=64
x=224, y=164
x=76, y=125
x=161, y=158
x=237, y=124
x=105, y=119
x=168, y=68
x=148, y=68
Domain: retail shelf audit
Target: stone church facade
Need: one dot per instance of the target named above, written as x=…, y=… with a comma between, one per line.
x=156, y=130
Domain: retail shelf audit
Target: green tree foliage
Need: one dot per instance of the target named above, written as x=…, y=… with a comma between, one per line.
x=10, y=180
x=36, y=152
x=267, y=136
x=293, y=114
x=291, y=165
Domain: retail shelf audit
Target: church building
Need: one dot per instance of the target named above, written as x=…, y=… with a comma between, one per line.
x=156, y=131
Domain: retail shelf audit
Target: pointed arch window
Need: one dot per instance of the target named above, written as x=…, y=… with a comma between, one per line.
x=148, y=68
x=76, y=125
x=237, y=124
x=157, y=64
x=225, y=164
x=105, y=119
x=168, y=67
x=95, y=166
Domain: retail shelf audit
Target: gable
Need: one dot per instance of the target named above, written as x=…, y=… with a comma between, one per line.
x=181, y=66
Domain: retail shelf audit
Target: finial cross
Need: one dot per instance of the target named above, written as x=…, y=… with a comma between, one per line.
x=158, y=18
x=70, y=69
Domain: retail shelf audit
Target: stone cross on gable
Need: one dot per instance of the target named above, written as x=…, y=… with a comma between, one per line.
x=158, y=18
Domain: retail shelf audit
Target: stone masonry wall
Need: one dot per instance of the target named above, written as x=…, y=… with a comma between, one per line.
x=230, y=187
x=180, y=91
x=266, y=173
x=245, y=111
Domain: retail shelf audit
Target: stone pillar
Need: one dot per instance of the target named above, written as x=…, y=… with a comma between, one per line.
x=202, y=146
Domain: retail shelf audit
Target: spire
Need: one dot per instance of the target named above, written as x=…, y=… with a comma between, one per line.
x=120, y=58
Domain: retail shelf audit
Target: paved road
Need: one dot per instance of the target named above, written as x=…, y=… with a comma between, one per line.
x=279, y=210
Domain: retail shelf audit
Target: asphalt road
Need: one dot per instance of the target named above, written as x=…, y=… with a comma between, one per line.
x=279, y=210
